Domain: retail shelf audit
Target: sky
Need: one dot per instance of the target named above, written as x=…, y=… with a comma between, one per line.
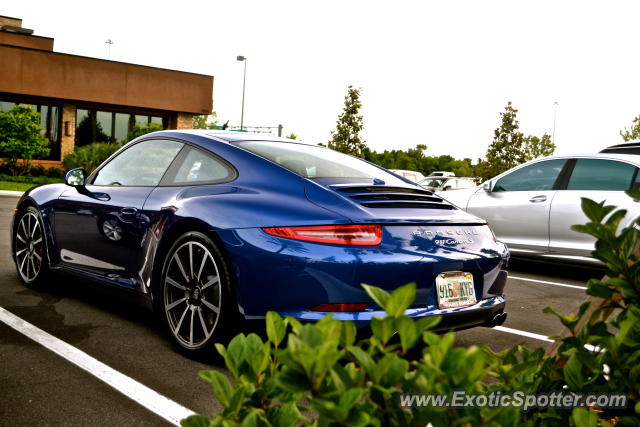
x=432, y=72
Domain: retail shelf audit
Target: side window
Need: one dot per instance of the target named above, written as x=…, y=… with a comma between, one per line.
x=539, y=176
x=142, y=164
x=199, y=168
x=600, y=174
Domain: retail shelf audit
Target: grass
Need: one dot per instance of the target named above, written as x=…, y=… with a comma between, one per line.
x=23, y=183
x=15, y=186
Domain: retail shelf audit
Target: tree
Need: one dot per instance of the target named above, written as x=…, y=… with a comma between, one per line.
x=633, y=132
x=346, y=137
x=535, y=147
x=143, y=130
x=292, y=136
x=21, y=138
x=90, y=130
x=205, y=121
x=506, y=150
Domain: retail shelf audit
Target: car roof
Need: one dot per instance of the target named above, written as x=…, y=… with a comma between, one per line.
x=631, y=158
x=233, y=136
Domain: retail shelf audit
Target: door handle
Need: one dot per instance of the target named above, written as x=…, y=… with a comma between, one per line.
x=538, y=199
x=128, y=213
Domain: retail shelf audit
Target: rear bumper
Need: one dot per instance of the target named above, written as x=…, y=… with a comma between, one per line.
x=459, y=318
x=292, y=277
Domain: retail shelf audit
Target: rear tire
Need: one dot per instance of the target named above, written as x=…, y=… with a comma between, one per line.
x=30, y=248
x=194, y=294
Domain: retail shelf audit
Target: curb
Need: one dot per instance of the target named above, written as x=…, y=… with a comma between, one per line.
x=11, y=193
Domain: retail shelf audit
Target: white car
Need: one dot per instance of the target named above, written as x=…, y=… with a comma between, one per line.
x=414, y=176
x=442, y=174
x=440, y=183
x=532, y=206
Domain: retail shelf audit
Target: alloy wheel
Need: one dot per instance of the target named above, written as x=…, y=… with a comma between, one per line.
x=192, y=294
x=29, y=247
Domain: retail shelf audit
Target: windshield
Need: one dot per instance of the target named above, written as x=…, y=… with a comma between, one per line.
x=314, y=162
x=432, y=182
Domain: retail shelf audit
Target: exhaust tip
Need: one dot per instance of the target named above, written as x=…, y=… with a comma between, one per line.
x=498, y=319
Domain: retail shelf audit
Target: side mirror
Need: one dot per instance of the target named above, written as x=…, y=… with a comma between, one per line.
x=76, y=178
x=488, y=186
x=447, y=188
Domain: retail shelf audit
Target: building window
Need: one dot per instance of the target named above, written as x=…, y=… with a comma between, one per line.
x=49, y=122
x=107, y=126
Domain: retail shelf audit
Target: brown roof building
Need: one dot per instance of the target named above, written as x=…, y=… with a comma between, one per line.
x=83, y=100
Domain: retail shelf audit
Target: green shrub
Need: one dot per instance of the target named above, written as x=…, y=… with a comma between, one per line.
x=89, y=156
x=21, y=138
x=316, y=374
x=54, y=172
x=37, y=170
x=35, y=180
x=143, y=130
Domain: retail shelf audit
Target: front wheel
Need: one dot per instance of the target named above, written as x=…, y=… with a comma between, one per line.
x=195, y=296
x=29, y=248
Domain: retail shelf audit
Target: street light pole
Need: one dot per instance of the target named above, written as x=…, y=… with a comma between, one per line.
x=244, y=81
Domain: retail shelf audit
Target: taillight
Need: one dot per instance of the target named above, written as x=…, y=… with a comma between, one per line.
x=350, y=235
x=341, y=307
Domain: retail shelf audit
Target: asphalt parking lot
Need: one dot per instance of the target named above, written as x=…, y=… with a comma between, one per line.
x=39, y=387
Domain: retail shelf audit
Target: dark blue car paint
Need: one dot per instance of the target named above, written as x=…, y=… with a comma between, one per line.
x=271, y=273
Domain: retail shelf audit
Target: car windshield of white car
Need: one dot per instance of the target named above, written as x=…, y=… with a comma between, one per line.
x=431, y=182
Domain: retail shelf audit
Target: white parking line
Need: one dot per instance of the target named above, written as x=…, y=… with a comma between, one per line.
x=547, y=282
x=537, y=336
x=150, y=399
x=523, y=333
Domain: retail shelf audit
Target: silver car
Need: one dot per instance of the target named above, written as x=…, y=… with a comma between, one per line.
x=532, y=206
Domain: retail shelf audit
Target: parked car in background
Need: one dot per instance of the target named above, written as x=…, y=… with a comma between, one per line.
x=414, y=176
x=214, y=229
x=532, y=206
x=442, y=173
x=436, y=183
x=632, y=147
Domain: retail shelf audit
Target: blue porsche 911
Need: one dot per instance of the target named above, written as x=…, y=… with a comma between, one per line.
x=216, y=228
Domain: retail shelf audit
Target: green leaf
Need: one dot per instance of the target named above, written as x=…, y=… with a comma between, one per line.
x=276, y=328
x=584, y=418
x=427, y=323
x=635, y=194
x=287, y=415
x=349, y=398
x=573, y=372
x=293, y=380
x=252, y=419
x=348, y=334
x=236, y=354
x=378, y=295
x=394, y=371
x=408, y=332
x=595, y=211
x=614, y=220
x=363, y=359
x=599, y=289
x=401, y=299
x=222, y=388
x=383, y=328
x=196, y=421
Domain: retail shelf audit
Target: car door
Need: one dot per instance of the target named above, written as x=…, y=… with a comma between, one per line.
x=517, y=207
x=596, y=179
x=99, y=229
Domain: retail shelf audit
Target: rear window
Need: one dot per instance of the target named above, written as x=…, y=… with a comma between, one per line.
x=315, y=162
